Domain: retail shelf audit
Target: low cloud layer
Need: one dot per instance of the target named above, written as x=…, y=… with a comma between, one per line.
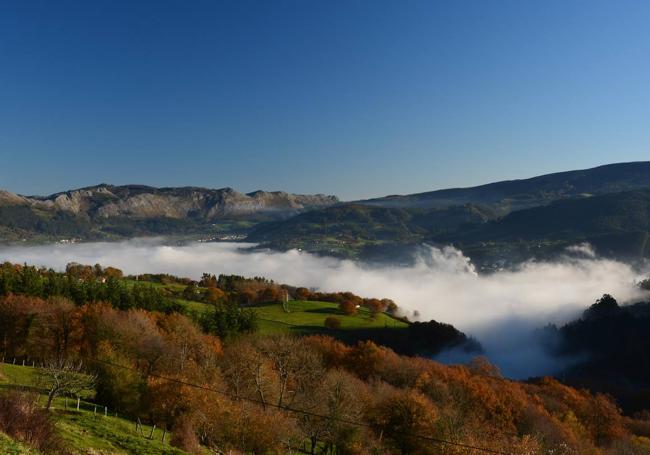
x=500, y=309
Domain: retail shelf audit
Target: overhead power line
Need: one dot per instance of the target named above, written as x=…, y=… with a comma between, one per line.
x=299, y=411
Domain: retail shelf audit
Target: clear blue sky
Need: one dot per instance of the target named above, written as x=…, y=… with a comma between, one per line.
x=356, y=98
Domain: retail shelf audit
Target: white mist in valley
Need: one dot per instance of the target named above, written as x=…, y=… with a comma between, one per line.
x=500, y=309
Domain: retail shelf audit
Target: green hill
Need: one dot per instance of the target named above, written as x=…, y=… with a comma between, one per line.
x=308, y=316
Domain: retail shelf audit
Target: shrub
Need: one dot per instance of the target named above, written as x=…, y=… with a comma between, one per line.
x=184, y=437
x=22, y=419
x=332, y=322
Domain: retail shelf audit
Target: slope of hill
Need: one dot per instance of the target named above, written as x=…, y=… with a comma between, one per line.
x=308, y=317
x=617, y=224
x=551, y=213
x=516, y=194
x=612, y=346
x=355, y=230
x=83, y=431
x=273, y=393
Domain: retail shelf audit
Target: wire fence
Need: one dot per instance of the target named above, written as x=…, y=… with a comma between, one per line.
x=100, y=410
x=75, y=403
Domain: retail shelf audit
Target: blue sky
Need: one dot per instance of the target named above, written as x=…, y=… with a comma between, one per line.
x=355, y=98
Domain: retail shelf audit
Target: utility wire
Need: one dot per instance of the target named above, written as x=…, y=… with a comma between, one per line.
x=299, y=411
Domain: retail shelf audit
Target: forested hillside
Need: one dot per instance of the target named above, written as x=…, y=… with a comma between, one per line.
x=263, y=393
x=611, y=347
x=513, y=195
x=617, y=224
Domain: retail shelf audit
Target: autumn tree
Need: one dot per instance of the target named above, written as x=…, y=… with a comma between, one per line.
x=55, y=329
x=298, y=368
x=208, y=281
x=338, y=399
x=403, y=415
x=375, y=306
x=348, y=307
x=302, y=294
x=390, y=306
x=213, y=295
x=112, y=272
x=16, y=321
x=364, y=358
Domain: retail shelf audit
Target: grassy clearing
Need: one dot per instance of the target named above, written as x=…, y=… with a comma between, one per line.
x=17, y=375
x=305, y=316
x=86, y=431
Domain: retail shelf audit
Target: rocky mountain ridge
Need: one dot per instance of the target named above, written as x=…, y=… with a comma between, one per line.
x=144, y=202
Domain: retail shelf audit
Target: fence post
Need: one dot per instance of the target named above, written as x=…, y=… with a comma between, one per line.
x=152, y=430
x=163, y=436
x=95, y=411
x=105, y=411
x=66, y=403
x=14, y=361
x=139, y=426
x=23, y=362
x=78, y=402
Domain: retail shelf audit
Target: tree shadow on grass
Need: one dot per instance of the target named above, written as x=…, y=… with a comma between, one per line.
x=325, y=311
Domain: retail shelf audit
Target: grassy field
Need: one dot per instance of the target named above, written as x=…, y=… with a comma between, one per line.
x=84, y=431
x=308, y=316
x=303, y=316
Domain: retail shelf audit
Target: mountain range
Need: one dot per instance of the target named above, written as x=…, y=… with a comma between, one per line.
x=509, y=221
x=107, y=210
x=607, y=206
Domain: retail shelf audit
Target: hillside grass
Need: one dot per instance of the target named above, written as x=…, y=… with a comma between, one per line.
x=304, y=316
x=84, y=431
x=9, y=446
x=308, y=316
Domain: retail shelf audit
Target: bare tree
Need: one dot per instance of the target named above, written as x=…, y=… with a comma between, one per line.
x=64, y=376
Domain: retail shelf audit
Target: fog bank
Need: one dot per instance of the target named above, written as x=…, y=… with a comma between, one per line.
x=499, y=309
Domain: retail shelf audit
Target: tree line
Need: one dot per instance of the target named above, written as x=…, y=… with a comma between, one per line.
x=83, y=284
